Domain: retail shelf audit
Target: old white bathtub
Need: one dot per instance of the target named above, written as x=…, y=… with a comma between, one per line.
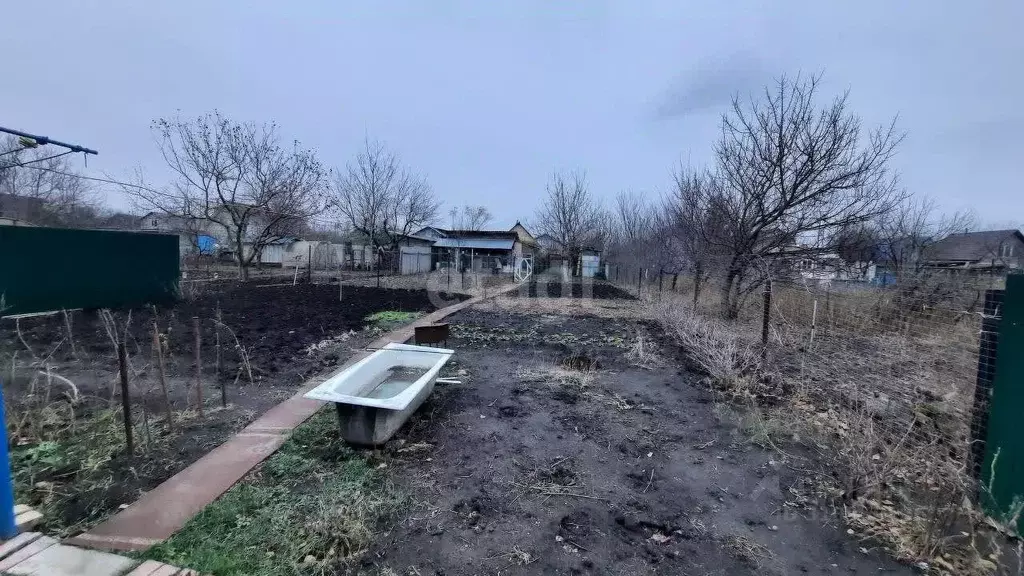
x=376, y=395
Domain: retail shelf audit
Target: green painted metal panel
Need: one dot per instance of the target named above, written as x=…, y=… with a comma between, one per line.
x=45, y=269
x=1003, y=468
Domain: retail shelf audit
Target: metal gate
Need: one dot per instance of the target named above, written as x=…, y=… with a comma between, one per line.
x=1002, y=473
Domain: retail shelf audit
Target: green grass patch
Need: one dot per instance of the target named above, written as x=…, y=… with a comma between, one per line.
x=392, y=317
x=308, y=510
x=69, y=469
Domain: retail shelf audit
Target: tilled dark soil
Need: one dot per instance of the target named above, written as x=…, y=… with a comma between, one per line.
x=290, y=333
x=554, y=287
x=531, y=466
x=275, y=325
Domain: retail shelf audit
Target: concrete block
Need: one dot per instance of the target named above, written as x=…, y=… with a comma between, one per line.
x=27, y=520
x=167, y=571
x=39, y=545
x=17, y=543
x=147, y=568
x=70, y=561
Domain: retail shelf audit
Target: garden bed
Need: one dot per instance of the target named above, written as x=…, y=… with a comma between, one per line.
x=569, y=444
x=554, y=287
x=64, y=404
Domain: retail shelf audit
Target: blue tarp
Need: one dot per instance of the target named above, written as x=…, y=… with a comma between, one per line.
x=206, y=244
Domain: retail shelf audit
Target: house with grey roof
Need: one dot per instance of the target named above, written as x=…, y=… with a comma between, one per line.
x=992, y=251
x=469, y=250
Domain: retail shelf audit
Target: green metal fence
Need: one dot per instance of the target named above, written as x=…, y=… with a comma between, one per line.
x=45, y=269
x=1002, y=472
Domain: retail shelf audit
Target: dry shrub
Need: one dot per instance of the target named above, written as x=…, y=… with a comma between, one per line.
x=883, y=388
x=904, y=492
x=644, y=353
x=731, y=363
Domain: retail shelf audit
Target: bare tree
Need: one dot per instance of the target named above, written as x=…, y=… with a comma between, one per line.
x=905, y=235
x=52, y=190
x=634, y=217
x=237, y=182
x=696, y=224
x=790, y=176
x=380, y=198
x=904, y=241
x=470, y=217
x=413, y=205
x=644, y=233
x=571, y=215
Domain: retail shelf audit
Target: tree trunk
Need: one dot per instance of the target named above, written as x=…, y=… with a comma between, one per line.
x=730, y=301
x=697, y=280
x=243, y=266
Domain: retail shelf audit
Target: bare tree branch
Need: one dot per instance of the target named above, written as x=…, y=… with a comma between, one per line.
x=380, y=198
x=791, y=175
x=470, y=217
x=236, y=182
x=52, y=193
x=571, y=215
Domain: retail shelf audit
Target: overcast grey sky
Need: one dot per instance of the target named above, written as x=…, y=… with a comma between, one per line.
x=487, y=99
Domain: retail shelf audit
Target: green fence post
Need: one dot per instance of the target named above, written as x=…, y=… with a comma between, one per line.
x=1002, y=471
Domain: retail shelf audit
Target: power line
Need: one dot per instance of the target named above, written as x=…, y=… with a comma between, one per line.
x=26, y=163
x=104, y=180
x=160, y=193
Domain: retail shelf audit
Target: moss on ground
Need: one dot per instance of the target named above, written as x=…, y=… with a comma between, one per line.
x=310, y=509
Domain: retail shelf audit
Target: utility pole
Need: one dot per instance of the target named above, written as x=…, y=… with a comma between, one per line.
x=32, y=140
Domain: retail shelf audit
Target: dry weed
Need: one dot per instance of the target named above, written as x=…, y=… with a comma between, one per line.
x=645, y=353
x=750, y=552
x=732, y=364
x=883, y=395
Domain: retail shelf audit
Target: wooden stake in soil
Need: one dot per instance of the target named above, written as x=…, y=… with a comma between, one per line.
x=158, y=359
x=766, y=316
x=145, y=423
x=220, y=363
x=199, y=368
x=71, y=336
x=126, y=405
x=814, y=325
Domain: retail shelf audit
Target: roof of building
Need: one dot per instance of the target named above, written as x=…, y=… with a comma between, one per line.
x=476, y=242
x=971, y=246
x=21, y=207
x=451, y=233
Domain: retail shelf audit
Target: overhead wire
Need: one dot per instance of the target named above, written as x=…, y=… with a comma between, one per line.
x=311, y=219
x=26, y=163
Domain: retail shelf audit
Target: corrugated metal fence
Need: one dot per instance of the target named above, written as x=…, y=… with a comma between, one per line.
x=45, y=269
